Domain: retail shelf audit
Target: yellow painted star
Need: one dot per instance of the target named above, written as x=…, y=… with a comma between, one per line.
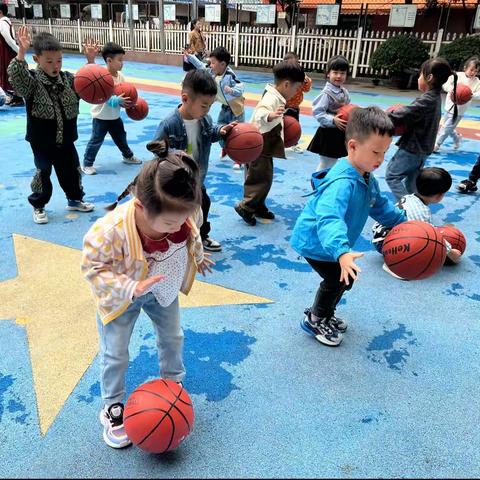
x=54, y=302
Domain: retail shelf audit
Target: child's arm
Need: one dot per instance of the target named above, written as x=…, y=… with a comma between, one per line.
x=198, y=64
x=320, y=111
x=411, y=114
x=307, y=84
x=91, y=49
x=236, y=87
x=20, y=78
x=385, y=212
x=162, y=132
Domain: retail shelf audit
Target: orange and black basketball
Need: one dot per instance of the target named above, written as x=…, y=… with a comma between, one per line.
x=414, y=250
x=128, y=90
x=463, y=95
x=158, y=416
x=399, y=129
x=93, y=83
x=139, y=111
x=244, y=143
x=454, y=237
x=344, y=111
x=292, y=131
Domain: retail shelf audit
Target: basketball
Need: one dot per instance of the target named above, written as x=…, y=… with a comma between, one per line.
x=454, y=237
x=464, y=94
x=128, y=90
x=244, y=143
x=93, y=83
x=414, y=250
x=344, y=111
x=399, y=129
x=158, y=416
x=139, y=111
x=292, y=131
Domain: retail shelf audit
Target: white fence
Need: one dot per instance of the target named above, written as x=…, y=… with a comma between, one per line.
x=252, y=46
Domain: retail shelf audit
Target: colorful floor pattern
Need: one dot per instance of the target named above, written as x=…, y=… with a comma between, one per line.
x=399, y=398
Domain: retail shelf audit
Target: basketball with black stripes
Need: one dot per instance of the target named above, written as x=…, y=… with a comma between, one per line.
x=158, y=416
x=139, y=111
x=93, y=83
x=128, y=90
x=244, y=143
x=292, y=131
x=414, y=250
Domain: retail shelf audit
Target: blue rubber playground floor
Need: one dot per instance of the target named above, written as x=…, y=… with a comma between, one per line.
x=399, y=398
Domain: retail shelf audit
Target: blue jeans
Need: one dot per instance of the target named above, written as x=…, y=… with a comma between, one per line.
x=402, y=171
x=99, y=129
x=115, y=338
x=225, y=117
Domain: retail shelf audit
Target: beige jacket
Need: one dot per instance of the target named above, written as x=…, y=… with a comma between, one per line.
x=271, y=100
x=113, y=260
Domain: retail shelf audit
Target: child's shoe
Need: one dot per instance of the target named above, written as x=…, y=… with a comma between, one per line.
x=39, y=215
x=321, y=330
x=297, y=149
x=211, y=245
x=89, y=170
x=338, y=324
x=457, y=142
x=79, y=206
x=385, y=267
x=131, y=160
x=467, y=186
x=265, y=214
x=113, y=429
x=247, y=216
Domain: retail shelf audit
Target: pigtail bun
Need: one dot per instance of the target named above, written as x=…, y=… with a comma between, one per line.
x=159, y=148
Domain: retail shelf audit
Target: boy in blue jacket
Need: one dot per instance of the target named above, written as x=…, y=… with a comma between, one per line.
x=332, y=220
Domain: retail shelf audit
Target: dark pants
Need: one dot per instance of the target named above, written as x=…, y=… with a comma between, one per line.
x=475, y=173
x=331, y=289
x=64, y=159
x=99, y=129
x=205, y=228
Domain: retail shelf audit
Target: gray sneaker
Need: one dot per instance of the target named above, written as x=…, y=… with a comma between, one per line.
x=39, y=215
x=89, y=170
x=338, y=324
x=79, y=206
x=321, y=330
x=132, y=160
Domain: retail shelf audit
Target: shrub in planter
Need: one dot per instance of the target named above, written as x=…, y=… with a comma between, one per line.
x=460, y=49
x=399, y=55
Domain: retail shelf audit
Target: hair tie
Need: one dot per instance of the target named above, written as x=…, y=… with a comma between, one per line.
x=159, y=148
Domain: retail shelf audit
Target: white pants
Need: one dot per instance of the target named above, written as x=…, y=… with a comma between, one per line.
x=448, y=129
x=325, y=162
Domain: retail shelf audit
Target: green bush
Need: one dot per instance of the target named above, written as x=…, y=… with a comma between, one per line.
x=460, y=49
x=398, y=54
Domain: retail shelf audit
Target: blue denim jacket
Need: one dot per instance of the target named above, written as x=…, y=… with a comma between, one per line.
x=172, y=128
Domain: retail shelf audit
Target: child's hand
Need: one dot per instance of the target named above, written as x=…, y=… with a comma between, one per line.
x=204, y=266
x=348, y=266
x=276, y=114
x=455, y=255
x=226, y=128
x=125, y=102
x=24, y=39
x=91, y=49
x=228, y=89
x=339, y=122
x=144, y=285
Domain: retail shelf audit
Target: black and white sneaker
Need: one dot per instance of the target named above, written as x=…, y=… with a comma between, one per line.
x=467, y=186
x=321, y=330
x=338, y=324
x=114, y=434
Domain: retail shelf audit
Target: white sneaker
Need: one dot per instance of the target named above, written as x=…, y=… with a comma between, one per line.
x=89, y=170
x=391, y=273
x=132, y=160
x=39, y=215
x=237, y=166
x=457, y=142
x=114, y=433
x=79, y=206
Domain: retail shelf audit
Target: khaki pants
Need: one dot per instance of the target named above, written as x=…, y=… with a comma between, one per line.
x=259, y=173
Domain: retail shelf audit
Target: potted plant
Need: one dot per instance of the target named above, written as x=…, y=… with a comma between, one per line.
x=401, y=56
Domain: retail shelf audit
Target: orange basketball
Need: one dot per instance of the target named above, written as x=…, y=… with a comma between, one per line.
x=158, y=416
x=464, y=94
x=414, y=250
x=93, y=83
x=128, y=90
x=399, y=129
x=345, y=111
x=244, y=143
x=139, y=111
x=292, y=131
x=454, y=237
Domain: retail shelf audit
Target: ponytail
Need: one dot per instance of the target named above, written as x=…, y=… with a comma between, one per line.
x=454, y=93
x=124, y=194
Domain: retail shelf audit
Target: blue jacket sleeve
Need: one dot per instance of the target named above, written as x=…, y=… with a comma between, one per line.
x=319, y=110
x=330, y=211
x=113, y=101
x=237, y=87
x=411, y=114
x=385, y=212
x=198, y=64
x=162, y=131
x=215, y=135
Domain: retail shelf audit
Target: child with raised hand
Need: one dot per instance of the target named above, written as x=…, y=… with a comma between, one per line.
x=52, y=109
x=292, y=108
x=106, y=116
x=268, y=117
x=469, y=78
x=139, y=256
x=432, y=184
x=329, y=139
x=420, y=120
x=332, y=220
x=190, y=128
